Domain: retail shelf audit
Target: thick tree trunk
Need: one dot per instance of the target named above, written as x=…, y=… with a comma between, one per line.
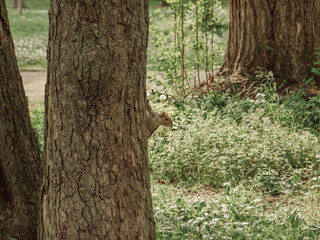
x=278, y=36
x=96, y=178
x=19, y=154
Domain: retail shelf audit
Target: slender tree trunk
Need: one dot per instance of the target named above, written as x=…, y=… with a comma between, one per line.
x=182, y=44
x=20, y=7
x=15, y=4
x=212, y=39
x=206, y=43
x=96, y=177
x=278, y=36
x=197, y=65
x=19, y=154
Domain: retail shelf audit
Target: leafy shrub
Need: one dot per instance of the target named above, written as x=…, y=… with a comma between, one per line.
x=37, y=119
x=185, y=42
x=233, y=214
x=237, y=142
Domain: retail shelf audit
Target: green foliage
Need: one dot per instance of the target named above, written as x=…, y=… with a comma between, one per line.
x=316, y=70
x=219, y=140
x=295, y=111
x=37, y=119
x=235, y=213
x=185, y=42
x=154, y=4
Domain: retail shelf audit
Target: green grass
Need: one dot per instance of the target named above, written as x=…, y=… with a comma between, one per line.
x=37, y=118
x=30, y=34
x=233, y=213
x=225, y=3
x=153, y=4
x=237, y=168
x=218, y=140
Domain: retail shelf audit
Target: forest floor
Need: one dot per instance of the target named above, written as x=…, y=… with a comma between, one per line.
x=34, y=84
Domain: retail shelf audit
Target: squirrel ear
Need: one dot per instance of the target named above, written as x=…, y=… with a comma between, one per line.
x=163, y=114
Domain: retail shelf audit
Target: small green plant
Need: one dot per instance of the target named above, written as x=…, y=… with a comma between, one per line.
x=316, y=69
x=183, y=43
x=37, y=119
x=236, y=213
x=219, y=139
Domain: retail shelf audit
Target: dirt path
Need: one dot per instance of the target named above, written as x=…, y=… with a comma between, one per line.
x=34, y=83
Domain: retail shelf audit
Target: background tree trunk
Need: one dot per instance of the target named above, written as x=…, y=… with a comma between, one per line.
x=278, y=36
x=15, y=4
x=19, y=154
x=96, y=177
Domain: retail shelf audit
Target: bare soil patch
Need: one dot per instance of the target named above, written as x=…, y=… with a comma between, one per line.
x=34, y=85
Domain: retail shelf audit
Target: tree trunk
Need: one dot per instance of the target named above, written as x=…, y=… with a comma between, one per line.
x=96, y=177
x=19, y=154
x=15, y=4
x=278, y=36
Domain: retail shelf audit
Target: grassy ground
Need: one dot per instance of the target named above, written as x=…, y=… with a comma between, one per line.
x=237, y=168
x=234, y=168
x=30, y=34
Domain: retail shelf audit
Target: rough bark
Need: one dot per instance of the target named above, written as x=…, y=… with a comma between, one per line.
x=19, y=154
x=278, y=36
x=96, y=178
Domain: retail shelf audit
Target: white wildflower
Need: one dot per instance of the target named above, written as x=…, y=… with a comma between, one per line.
x=163, y=97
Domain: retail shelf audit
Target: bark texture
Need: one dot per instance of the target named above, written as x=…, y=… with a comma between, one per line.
x=278, y=36
x=19, y=154
x=96, y=178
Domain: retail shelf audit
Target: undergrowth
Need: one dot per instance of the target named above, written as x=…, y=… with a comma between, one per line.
x=234, y=168
x=37, y=118
x=236, y=213
x=219, y=139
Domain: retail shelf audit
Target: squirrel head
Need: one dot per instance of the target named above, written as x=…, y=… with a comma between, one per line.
x=165, y=120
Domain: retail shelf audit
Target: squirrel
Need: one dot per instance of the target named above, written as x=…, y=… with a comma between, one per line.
x=154, y=120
